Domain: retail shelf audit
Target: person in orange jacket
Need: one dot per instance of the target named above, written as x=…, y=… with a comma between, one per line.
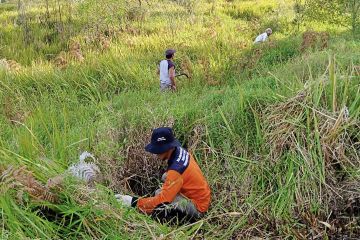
x=185, y=193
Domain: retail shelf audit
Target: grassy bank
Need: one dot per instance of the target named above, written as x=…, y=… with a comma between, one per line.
x=275, y=128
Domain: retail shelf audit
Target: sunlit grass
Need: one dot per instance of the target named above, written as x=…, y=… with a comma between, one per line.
x=108, y=103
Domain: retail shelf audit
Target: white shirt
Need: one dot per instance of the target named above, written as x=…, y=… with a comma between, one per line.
x=164, y=72
x=261, y=38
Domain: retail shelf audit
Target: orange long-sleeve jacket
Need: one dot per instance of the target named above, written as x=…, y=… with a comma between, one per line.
x=183, y=177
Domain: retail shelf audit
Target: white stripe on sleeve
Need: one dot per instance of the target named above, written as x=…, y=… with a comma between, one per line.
x=186, y=159
x=180, y=155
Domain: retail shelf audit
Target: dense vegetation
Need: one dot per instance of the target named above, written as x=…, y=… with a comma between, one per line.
x=274, y=127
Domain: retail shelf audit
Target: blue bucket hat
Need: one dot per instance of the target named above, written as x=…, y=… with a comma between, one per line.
x=162, y=140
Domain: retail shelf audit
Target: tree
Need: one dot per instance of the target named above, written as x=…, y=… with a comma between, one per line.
x=344, y=12
x=353, y=6
x=299, y=9
x=23, y=20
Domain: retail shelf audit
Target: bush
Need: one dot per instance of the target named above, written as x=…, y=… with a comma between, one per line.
x=280, y=52
x=247, y=14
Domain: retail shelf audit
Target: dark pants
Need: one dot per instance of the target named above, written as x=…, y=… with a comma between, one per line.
x=181, y=210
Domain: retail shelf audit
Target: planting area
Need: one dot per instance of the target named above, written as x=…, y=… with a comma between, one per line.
x=274, y=127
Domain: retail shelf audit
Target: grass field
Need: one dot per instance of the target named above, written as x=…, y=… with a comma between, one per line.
x=274, y=127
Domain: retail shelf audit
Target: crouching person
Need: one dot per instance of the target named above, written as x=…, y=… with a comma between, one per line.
x=185, y=194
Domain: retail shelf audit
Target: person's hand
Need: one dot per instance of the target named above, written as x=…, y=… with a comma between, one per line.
x=125, y=199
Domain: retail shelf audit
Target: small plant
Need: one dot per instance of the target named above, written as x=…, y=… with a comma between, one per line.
x=22, y=180
x=75, y=51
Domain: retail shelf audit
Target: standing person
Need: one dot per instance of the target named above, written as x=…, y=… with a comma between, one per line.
x=185, y=194
x=264, y=36
x=167, y=71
